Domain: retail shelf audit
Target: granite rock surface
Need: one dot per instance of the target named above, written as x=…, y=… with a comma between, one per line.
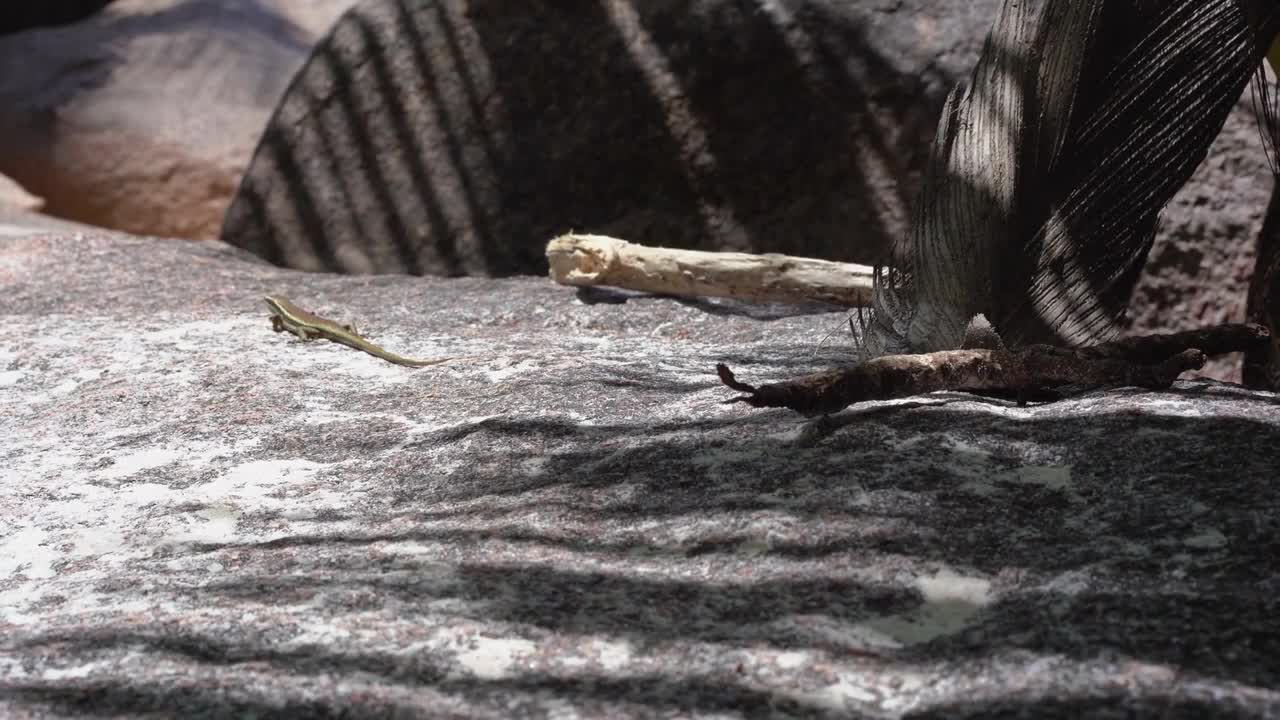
x=202, y=518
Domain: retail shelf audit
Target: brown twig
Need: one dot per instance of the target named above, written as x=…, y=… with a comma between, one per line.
x=1152, y=361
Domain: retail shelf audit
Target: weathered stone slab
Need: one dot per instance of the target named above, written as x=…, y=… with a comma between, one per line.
x=204, y=518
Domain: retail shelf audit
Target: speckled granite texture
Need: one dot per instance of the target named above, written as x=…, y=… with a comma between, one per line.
x=202, y=519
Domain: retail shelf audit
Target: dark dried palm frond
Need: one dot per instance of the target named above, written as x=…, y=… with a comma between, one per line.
x=1049, y=170
x=1266, y=107
x=1262, y=364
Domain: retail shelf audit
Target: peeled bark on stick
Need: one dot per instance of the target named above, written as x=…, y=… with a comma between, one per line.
x=589, y=260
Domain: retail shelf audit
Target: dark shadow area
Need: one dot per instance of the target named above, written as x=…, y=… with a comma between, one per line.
x=1110, y=705
x=608, y=295
x=103, y=699
x=657, y=693
x=596, y=295
x=18, y=16
x=758, y=310
x=463, y=141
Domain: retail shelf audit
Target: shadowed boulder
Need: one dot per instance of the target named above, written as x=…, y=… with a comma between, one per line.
x=434, y=137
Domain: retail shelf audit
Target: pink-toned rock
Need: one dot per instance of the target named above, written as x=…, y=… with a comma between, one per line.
x=143, y=116
x=14, y=197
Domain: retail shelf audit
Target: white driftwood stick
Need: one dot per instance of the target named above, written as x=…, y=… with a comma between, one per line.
x=601, y=260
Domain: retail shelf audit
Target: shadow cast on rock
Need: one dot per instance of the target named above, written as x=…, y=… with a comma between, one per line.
x=1103, y=535
x=493, y=157
x=1132, y=546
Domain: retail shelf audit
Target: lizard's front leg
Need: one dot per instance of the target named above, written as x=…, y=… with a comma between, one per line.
x=278, y=324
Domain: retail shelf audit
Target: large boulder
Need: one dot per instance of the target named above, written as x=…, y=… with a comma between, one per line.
x=442, y=137
x=15, y=197
x=202, y=518
x=143, y=116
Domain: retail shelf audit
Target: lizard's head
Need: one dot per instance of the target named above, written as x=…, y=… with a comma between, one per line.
x=274, y=302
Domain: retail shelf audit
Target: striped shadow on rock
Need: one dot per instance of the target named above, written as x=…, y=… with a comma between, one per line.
x=449, y=137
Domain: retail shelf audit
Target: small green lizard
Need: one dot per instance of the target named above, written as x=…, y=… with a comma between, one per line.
x=287, y=316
